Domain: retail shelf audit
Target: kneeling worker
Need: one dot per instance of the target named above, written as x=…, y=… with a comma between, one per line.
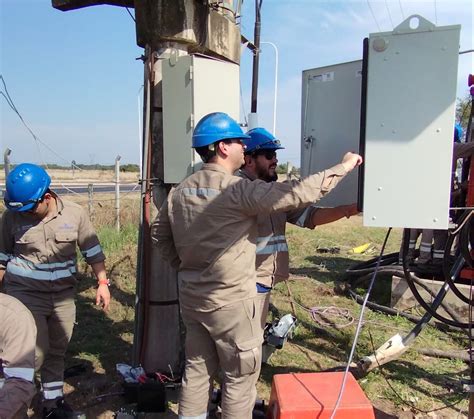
x=17, y=354
x=207, y=228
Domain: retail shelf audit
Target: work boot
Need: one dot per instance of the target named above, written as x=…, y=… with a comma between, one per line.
x=62, y=410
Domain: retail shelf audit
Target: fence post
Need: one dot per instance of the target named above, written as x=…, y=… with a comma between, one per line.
x=6, y=161
x=117, y=193
x=73, y=167
x=90, y=192
x=289, y=169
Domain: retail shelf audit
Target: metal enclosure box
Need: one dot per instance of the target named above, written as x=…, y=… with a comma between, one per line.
x=193, y=86
x=411, y=95
x=330, y=124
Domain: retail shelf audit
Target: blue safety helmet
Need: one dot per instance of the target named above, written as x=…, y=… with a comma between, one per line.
x=25, y=186
x=457, y=133
x=261, y=139
x=215, y=127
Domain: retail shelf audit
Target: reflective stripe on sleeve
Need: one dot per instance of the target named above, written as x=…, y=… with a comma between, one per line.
x=16, y=372
x=201, y=192
x=92, y=251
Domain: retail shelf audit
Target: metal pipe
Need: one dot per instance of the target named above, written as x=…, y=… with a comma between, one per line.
x=256, y=54
x=275, y=97
x=117, y=192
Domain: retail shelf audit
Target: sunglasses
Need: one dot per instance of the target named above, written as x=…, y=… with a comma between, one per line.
x=268, y=154
x=24, y=204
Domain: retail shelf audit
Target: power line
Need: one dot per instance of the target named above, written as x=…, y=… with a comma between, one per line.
x=128, y=10
x=389, y=15
x=373, y=15
x=401, y=9
x=10, y=102
x=436, y=12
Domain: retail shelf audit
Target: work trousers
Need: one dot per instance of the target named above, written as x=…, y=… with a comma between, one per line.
x=54, y=314
x=17, y=353
x=228, y=339
x=429, y=250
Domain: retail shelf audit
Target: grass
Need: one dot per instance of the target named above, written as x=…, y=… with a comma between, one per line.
x=101, y=340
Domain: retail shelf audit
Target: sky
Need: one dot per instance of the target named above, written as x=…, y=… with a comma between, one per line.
x=74, y=77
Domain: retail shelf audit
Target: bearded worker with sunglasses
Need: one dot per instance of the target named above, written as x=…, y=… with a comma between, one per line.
x=207, y=229
x=272, y=260
x=38, y=240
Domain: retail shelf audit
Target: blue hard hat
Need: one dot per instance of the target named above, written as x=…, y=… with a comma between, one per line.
x=25, y=186
x=261, y=139
x=215, y=127
x=457, y=133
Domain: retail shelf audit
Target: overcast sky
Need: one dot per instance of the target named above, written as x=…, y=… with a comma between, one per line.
x=75, y=79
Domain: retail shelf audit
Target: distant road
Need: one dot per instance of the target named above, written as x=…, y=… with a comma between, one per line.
x=65, y=189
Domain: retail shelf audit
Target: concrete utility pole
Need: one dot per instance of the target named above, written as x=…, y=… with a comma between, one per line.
x=165, y=28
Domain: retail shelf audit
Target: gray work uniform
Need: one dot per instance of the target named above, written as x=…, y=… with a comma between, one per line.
x=17, y=354
x=39, y=257
x=207, y=228
x=272, y=259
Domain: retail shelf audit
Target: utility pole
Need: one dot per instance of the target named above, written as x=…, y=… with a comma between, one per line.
x=73, y=168
x=165, y=28
x=117, y=193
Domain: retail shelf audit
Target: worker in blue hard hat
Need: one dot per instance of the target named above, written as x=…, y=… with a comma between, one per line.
x=272, y=261
x=38, y=240
x=207, y=229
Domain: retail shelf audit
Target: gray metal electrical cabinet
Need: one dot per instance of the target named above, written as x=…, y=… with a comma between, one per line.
x=331, y=100
x=411, y=95
x=193, y=86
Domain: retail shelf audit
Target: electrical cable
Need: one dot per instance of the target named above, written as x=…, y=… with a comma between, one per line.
x=359, y=326
x=395, y=392
x=411, y=283
x=35, y=137
x=373, y=15
x=401, y=9
x=389, y=15
x=436, y=12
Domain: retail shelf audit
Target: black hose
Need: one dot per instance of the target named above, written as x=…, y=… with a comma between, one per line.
x=411, y=283
x=460, y=261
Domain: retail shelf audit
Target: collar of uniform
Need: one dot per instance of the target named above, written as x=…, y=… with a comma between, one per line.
x=246, y=175
x=214, y=167
x=59, y=203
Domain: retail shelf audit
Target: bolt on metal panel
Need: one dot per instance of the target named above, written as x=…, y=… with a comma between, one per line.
x=411, y=95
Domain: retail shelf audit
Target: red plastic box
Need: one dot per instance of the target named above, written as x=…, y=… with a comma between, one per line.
x=314, y=395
